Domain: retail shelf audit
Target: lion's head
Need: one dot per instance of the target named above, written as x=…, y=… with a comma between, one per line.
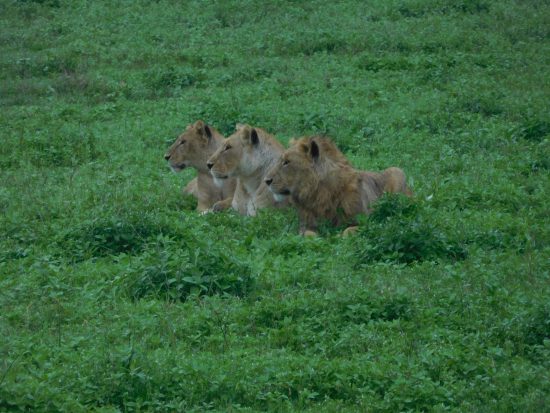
x=193, y=147
x=294, y=170
x=303, y=166
x=241, y=154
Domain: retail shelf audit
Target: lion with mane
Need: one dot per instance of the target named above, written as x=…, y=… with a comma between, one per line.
x=322, y=184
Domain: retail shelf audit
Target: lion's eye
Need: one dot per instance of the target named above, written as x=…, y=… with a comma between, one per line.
x=182, y=142
x=227, y=147
x=285, y=162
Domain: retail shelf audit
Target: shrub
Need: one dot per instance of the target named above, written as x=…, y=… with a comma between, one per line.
x=363, y=308
x=314, y=122
x=398, y=231
x=174, y=271
x=391, y=206
x=50, y=3
x=65, y=63
x=377, y=64
x=339, y=307
x=535, y=130
x=537, y=326
x=127, y=233
x=187, y=202
x=47, y=149
x=170, y=80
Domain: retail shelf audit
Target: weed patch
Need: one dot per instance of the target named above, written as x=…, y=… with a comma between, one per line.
x=536, y=328
x=47, y=149
x=170, y=81
x=340, y=307
x=420, y=9
x=50, y=3
x=174, y=271
x=49, y=65
x=323, y=42
x=75, y=85
x=484, y=105
x=390, y=63
x=362, y=309
x=534, y=130
x=112, y=235
x=186, y=203
x=398, y=231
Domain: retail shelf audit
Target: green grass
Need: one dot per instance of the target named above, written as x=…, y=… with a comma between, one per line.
x=115, y=295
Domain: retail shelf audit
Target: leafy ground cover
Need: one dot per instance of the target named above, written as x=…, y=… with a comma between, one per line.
x=116, y=296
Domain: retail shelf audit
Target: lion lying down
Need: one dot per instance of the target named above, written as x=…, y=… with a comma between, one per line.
x=246, y=156
x=191, y=149
x=322, y=184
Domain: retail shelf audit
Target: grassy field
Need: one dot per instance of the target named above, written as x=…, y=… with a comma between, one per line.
x=116, y=296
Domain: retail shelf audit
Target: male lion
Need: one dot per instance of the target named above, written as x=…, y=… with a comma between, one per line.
x=192, y=148
x=322, y=184
x=246, y=155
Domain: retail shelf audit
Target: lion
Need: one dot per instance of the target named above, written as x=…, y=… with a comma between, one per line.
x=192, y=149
x=191, y=188
x=322, y=184
x=246, y=155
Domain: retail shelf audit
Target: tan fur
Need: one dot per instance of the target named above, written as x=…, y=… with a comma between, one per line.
x=322, y=184
x=191, y=188
x=192, y=149
x=247, y=155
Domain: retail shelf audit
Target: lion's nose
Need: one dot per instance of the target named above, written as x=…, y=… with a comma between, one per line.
x=268, y=181
x=210, y=165
x=167, y=156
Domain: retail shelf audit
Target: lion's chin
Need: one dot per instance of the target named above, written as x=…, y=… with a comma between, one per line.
x=279, y=197
x=219, y=182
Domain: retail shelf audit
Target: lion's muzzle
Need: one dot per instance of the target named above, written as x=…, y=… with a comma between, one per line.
x=178, y=167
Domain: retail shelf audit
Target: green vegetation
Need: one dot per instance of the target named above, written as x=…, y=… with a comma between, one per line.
x=115, y=295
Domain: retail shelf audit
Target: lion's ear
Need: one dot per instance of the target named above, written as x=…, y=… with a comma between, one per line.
x=249, y=134
x=292, y=142
x=203, y=129
x=239, y=126
x=314, y=150
x=207, y=131
x=254, y=139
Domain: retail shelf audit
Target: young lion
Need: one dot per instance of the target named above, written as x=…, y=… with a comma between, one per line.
x=246, y=155
x=192, y=148
x=322, y=184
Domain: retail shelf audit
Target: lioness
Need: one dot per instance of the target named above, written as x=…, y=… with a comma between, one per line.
x=192, y=148
x=246, y=155
x=321, y=183
x=191, y=188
